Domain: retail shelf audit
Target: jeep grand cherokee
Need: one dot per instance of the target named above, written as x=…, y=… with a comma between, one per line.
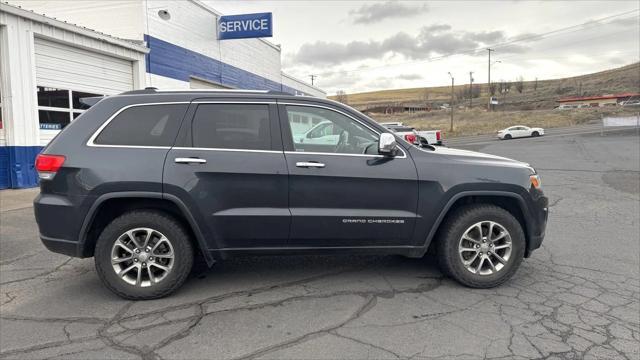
x=146, y=180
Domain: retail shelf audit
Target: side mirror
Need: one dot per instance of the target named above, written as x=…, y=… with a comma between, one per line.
x=387, y=144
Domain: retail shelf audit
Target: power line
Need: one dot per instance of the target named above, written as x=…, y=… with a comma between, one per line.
x=590, y=23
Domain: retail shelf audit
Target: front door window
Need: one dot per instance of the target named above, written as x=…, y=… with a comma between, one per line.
x=329, y=132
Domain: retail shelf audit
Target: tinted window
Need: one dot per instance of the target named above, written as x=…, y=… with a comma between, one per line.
x=232, y=126
x=150, y=125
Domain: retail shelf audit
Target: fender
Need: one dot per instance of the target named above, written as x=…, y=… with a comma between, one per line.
x=148, y=195
x=459, y=195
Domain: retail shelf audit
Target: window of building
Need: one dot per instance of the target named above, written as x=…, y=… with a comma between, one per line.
x=232, y=126
x=148, y=125
x=58, y=107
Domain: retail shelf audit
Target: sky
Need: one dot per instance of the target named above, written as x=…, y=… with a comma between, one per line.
x=358, y=46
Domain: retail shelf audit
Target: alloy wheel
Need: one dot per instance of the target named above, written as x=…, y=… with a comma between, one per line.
x=142, y=257
x=485, y=248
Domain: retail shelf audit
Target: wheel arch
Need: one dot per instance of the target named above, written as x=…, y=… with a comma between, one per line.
x=510, y=201
x=109, y=206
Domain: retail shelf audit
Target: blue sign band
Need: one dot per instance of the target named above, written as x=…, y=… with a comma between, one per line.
x=245, y=26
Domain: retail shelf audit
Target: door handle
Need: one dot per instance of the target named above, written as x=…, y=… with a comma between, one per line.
x=309, y=164
x=190, y=160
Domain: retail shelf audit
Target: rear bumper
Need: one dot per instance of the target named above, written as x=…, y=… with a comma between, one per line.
x=59, y=220
x=60, y=246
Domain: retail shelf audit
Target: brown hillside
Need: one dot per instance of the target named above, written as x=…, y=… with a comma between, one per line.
x=623, y=79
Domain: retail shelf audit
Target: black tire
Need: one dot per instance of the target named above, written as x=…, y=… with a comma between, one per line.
x=165, y=224
x=535, y=134
x=455, y=226
x=508, y=137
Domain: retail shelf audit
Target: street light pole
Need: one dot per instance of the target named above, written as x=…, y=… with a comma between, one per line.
x=489, y=78
x=470, y=89
x=451, y=105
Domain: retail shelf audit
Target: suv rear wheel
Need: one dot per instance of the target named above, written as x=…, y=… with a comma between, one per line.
x=481, y=246
x=143, y=254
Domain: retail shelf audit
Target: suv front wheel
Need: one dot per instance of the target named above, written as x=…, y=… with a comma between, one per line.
x=143, y=254
x=481, y=246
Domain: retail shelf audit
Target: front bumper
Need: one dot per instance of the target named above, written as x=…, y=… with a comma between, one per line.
x=537, y=224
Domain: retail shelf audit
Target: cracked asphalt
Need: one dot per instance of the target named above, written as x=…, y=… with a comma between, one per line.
x=576, y=297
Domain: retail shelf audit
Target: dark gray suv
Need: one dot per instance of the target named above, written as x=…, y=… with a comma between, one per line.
x=147, y=180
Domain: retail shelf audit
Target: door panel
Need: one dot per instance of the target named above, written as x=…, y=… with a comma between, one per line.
x=348, y=198
x=240, y=193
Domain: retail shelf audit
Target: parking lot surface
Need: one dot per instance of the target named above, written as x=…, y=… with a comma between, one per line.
x=576, y=297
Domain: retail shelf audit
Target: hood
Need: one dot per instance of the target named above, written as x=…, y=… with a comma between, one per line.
x=478, y=157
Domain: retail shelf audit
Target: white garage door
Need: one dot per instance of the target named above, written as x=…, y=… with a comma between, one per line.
x=65, y=73
x=67, y=67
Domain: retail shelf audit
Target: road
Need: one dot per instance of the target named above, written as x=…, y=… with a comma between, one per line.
x=576, y=297
x=553, y=132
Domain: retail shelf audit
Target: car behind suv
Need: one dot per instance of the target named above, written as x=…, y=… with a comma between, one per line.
x=147, y=180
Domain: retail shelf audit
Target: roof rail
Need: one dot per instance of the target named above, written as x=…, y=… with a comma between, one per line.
x=147, y=90
x=153, y=90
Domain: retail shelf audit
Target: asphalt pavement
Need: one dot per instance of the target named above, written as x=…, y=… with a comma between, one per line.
x=576, y=297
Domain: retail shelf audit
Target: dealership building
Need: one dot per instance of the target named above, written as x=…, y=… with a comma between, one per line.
x=53, y=53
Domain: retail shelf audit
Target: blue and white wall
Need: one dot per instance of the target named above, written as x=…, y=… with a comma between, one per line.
x=183, y=47
x=78, y=46
x=40, y=51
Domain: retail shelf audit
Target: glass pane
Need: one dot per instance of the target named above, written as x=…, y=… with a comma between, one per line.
x=328, y=131
x=77, y=95
x=154, y=125
x=53, y=97
x=53, y=120
x=228, y=126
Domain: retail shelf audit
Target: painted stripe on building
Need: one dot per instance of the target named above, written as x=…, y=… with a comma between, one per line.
x=173, y=61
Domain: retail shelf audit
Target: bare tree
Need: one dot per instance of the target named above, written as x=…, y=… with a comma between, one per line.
x=492, y=88
x=519, y=84
x=342, y=97
x=475, y=91
x=425, y=96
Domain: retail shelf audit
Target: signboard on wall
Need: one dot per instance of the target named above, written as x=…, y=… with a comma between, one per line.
x=245, y=26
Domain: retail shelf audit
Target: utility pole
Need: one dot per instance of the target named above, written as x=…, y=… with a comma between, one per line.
x=470, y=89
x=489, y=50
x=313, y=77
x=451, y=105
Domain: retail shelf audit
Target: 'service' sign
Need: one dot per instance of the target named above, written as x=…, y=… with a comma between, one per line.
x=245, y=26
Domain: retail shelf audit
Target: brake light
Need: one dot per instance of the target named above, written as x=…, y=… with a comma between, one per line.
x=411, y=138
x=48, y=165
x=438, y=135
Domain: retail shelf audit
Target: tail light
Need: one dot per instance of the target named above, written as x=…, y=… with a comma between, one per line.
x=48, y=165
x=411, y=138
x=438, y=135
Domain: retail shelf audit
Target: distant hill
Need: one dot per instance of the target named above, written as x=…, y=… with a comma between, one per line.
x=540, y=96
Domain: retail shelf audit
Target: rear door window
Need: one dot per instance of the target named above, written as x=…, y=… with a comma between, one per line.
x=144, y=125
x=232, y=126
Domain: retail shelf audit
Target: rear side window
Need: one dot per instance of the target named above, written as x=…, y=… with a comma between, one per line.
x=232, y=126
x=146, y=125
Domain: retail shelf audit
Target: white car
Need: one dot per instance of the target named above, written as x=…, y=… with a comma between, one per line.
x=519, y=131
x=324, y=133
